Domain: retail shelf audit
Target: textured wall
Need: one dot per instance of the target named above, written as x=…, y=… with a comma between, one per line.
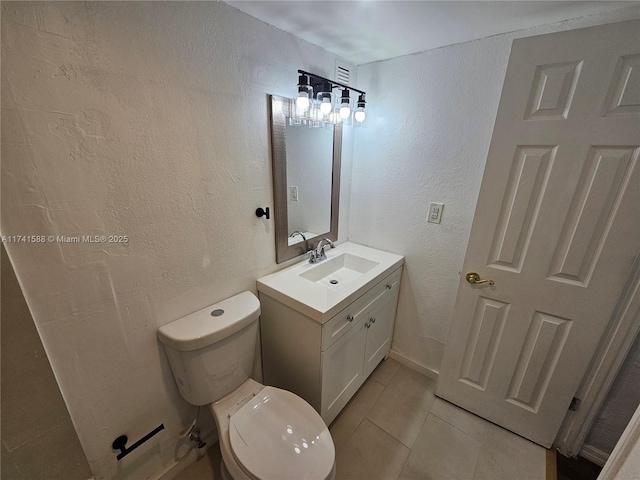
x=619, y=405
x=429, y=122
x=145, y=119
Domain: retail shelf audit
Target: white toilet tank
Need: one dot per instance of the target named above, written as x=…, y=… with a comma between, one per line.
x=211, y=351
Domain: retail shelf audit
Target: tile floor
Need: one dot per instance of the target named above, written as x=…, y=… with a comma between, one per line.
x=396, y=429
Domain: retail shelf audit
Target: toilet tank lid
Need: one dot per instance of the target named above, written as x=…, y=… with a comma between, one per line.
x=211, y=324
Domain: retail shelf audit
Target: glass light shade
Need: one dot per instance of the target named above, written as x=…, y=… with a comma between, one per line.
x=360, y=115
x=345, y=111
x=302, y=102
x=325, y=107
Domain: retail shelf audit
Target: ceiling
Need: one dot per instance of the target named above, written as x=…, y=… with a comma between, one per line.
x=365, y=31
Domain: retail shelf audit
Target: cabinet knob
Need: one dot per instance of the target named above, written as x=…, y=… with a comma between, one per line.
x=367, y=324
x=373, y=320
x=350, y=318
x=388, y=286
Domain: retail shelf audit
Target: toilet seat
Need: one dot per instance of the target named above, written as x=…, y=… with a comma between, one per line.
x=277, y=435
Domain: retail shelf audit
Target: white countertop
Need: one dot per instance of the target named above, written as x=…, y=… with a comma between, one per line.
x=317, y=301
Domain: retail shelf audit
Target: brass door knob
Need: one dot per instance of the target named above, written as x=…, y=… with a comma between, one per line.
x=474, y=279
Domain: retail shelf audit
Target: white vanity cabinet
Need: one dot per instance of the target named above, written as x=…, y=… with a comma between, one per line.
x=326, y=363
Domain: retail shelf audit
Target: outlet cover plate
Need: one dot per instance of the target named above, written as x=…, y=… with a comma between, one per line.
x=435, y=212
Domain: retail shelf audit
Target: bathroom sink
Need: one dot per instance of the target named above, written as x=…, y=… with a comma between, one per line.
x=321, y=290
x=339, y=271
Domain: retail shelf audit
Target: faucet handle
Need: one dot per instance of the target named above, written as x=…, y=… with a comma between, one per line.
x=320, y=248
x=313, y=258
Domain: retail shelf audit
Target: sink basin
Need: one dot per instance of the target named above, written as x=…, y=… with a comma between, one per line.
x=307, y=288
x=338, y=271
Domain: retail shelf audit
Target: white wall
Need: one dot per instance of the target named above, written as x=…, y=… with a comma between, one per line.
x=429, y=122
x=145, y=119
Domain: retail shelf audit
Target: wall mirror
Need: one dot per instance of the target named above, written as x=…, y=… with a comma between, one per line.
x=306, y=180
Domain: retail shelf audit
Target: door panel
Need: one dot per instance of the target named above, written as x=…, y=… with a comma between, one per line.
x=520, y=206
x=480, y=352
x=556, y=227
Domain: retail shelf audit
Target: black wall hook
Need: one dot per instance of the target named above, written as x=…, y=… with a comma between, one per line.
x=262, y=212
x=121, y=442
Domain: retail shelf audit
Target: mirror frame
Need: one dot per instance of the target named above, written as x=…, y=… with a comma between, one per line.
x=280, y=109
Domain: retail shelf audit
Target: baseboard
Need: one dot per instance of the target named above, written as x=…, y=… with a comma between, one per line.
x=594, y=455
x=413, y=365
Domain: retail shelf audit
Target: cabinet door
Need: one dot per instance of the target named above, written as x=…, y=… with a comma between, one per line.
x=379, y=331
x=342, y=371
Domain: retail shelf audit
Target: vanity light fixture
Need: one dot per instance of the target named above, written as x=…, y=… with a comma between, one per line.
x=360, y=115
x=345, y=108
x=316, y=101
x=325, y=97
x=302, y=101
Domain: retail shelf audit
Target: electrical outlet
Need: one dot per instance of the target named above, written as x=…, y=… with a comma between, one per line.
x=294, y=193
x=435, y=212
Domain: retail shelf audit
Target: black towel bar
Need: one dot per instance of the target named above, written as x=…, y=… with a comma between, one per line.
x=121, y=442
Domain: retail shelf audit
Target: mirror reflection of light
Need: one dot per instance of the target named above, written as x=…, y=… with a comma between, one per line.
x=296, y=449
x=289, y=430
x=305, y=444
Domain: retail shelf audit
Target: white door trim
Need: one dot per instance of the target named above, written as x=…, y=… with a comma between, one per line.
x=612, y=351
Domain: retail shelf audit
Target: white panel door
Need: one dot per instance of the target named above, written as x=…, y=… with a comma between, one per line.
x=556, y=228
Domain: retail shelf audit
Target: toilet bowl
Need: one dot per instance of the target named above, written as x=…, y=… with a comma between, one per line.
x=269, y=433
x=265, y=433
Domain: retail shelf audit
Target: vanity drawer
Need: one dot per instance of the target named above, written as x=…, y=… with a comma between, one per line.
x=342, y=322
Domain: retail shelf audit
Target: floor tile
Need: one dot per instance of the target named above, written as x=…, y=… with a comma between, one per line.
x=353, y=414
x=56, y=454
x=31, y=399
x=507, y=456
x=404, y=405
x=205, y=468
x=385, y=371
x=441, y=452
x=370, y=454
x=8, y=469
x=31, y=404
x=464, y=421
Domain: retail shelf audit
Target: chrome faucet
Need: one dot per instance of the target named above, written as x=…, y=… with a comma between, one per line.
x=320, y=255
x=306, y=244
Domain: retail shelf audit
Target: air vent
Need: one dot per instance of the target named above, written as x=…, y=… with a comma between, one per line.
x=343, y=72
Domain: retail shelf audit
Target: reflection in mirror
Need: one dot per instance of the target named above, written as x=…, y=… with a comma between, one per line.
x=309, y=167
x=306, y=180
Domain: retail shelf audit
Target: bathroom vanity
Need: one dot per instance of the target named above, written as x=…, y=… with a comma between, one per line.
x=326, y=326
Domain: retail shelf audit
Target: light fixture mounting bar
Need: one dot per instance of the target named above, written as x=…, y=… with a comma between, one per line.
x=333, y=83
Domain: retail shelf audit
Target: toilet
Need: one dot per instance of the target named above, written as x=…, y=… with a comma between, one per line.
x=265, y=433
